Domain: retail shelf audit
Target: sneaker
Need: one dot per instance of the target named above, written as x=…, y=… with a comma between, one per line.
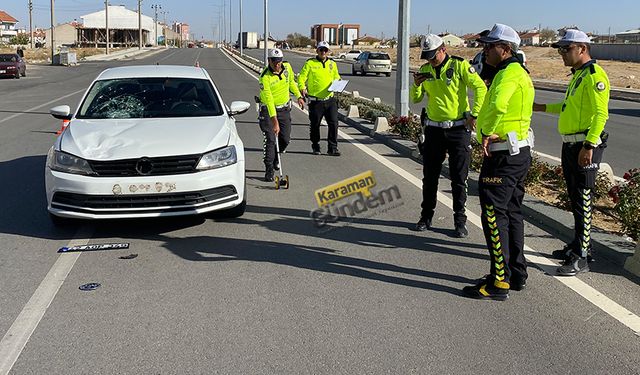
x=333, y=152
x=461, y=230
x=423, y=224
x=567, y=250
x=316, y=149
x=268, y=175
x=486, y=289
x=573, y=266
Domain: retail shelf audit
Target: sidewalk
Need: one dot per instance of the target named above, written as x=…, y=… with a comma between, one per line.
x=124, y=54
x=616, y=249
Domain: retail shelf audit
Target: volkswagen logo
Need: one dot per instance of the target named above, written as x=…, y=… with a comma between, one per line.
x=144, y=166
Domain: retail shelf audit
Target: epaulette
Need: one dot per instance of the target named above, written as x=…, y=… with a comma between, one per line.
x=264, y=72
x=592, y=69
x=457, y=58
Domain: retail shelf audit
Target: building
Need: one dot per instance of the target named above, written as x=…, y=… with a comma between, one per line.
x=182, y=29
x=65, y=34
x=628, y=37
x=123, y=28
x=335, y=34
x=452, y=40
x=367, y=40
x=7, y=27
x=530, y=38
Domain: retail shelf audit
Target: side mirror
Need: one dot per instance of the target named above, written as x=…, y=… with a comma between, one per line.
x=238, y=107
x=62, y=112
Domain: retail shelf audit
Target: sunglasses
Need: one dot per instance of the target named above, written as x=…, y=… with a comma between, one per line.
x=565, y=49
x=275, y=60
x=323, y=49
x=488, y=46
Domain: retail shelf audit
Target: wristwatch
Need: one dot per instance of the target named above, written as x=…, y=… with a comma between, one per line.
x=588, y=146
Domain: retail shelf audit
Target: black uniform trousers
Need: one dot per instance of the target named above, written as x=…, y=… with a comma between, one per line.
x=580, y=184
x=438, y=142
x=501, y=193
x=269, y=137
x=329, y=110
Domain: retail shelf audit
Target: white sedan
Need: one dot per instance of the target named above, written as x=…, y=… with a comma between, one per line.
x=147, y=141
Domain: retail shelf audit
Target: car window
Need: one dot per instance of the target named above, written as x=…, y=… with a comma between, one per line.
x=150, y=98
x=379, y=56
x=354, y=51
x=8, y=58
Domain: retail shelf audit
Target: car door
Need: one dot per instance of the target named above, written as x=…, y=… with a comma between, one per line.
x=362, y=61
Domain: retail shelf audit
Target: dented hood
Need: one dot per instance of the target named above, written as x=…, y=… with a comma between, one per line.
x=114, y=139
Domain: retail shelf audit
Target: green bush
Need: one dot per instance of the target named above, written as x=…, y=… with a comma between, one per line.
x=20, y=39
x=408, y=127
x=627, y=202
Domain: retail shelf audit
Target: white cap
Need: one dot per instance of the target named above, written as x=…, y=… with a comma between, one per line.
x=275, y=54
x=323, y=44
x=501, y=33
x=572, y=36
x=430, y=44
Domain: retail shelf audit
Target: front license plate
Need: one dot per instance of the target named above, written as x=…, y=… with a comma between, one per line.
x=158, y=187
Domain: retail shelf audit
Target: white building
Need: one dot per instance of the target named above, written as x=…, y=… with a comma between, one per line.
x=123, y=28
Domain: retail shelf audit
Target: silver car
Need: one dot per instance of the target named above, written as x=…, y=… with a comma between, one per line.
x=372, y=62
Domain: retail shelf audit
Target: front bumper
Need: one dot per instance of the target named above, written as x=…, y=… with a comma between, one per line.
x=76, y=196
x=377, y=69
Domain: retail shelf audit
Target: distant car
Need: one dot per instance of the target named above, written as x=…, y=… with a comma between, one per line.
x=12, y=65
x=351, y=55
x=372, y=62
x=147, y=141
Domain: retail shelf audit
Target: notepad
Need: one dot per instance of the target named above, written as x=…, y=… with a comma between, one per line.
x=338, y=85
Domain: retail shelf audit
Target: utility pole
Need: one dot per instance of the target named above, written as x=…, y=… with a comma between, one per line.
x=164, y=27
x=230, y=34
x=139, y=24
x=31, y=23
x=106, y=16
x=402, y=73
x=224, y=21
x=241, y=38
x=155, y=7
x=52, y=31
x=266, y=30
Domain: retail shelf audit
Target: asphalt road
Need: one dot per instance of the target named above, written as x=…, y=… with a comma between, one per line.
x=269, y=292
x=622, y=124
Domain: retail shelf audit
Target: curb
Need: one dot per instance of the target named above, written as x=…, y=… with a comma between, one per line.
x=549, y=218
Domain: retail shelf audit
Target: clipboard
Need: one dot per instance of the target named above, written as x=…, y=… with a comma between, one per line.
x=338, y=85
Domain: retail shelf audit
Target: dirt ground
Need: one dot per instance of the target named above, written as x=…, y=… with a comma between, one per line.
x=542, y=62
x=43, y=55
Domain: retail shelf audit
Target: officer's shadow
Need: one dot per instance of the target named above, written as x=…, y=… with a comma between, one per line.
x=213, y=249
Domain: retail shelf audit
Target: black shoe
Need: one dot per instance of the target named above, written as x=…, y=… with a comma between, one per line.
x=485, y=289
x=423, y=224
x=333, y=152
x=461, y=230
x=567, y=250
x=517, y=285
x=276, y=165
x=573, y=266
x=315, y=149
x=268, y=175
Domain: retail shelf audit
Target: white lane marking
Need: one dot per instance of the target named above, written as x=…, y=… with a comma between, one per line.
x=589, y=293
x=27, y=321
x=41, y=105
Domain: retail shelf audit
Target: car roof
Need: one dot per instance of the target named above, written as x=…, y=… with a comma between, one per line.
x=148, y=71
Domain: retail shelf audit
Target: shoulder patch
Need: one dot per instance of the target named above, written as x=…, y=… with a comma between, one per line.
x=457, y=58
x=600, y=86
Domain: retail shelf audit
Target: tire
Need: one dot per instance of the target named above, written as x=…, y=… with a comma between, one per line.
x=61, y=222
x=17, y=75
x=234, y=212
x=388, y=74
x=363, y=72
x=24, y=74
x=353, y=71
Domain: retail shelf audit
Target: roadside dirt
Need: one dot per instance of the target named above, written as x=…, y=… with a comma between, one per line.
x=43, y=55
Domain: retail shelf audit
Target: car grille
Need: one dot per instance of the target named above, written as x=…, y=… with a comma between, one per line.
x=146, y=166
x=169, y=202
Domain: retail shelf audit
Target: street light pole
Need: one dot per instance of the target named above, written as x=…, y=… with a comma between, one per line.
x=106, y=16
x=31, y=23
x=52, y=31
x=155, y=7
x=139, y=24
x=241, y=38
x=266, y=29
x=402, y=73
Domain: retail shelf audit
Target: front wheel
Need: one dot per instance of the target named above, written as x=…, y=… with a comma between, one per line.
x=353, y=71
x=388, y=74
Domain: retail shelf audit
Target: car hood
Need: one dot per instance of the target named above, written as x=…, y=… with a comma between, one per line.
x=5, y=64
x=114, y=139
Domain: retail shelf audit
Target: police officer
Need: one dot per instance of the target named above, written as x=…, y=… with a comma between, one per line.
x=314, y=80
x=486, y=71
x=276, y=82
x=503, y=129
x=583, y=114
x=447, y=123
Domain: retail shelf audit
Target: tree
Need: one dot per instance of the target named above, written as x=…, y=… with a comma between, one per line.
x=299, y=40
x=20, y=39
x=547, y=36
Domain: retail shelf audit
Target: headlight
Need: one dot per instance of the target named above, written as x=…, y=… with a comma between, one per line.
x=11, y=67
x=63, y=162
x=218, y=158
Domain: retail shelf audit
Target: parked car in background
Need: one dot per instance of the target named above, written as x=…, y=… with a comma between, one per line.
x=12, y=65
x=351, y=55
x=147, y=141
x=372, y=62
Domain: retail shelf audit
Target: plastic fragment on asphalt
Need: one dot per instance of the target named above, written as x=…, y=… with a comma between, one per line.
x=130, y=256
x=89, y=287
x=95, y=247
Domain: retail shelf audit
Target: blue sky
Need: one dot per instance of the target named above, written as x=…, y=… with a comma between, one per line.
x=376, y=17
